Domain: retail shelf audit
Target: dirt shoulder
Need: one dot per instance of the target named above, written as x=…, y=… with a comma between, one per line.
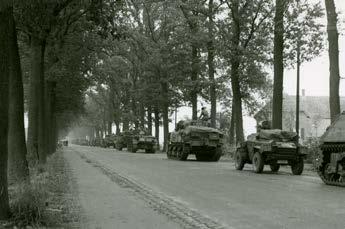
x=107, y=205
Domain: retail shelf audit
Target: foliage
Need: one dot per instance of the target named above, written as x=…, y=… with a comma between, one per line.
x=29, y=201
x=303, y=28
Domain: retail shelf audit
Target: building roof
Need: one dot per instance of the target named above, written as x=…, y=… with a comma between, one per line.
x=312, y=106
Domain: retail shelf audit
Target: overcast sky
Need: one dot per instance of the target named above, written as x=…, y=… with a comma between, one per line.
x=315, y=74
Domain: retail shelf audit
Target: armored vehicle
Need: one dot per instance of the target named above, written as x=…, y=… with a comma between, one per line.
x=195, y=137
x=122, y=140
x=141, y=141
x=96, y=142
x=109, y=140
x=272, y=147
x=330, y=161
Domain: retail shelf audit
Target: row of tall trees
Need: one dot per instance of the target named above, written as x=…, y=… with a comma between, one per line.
x=44, y=50
x=174, y=52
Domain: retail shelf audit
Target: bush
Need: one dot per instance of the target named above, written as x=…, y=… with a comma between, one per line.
x=228, y=149
x=29, y=202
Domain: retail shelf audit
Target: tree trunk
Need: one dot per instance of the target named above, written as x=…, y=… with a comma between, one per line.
x=38, y=47
x=333, y=53
x=5, y=18
x=110, y=127
x=149, y=120
x=54, y=129
x=237, y=102
x=33, y=107
x=50, y=113
x=235, y=82
x=17, y=163
x=210, y=62
x=165, y=111
x=97, y=132
x=126, y=113
x=194, y=78
x=135, y=114
x=277, y=114
x=157, y=119
x=232, y=126
x=142, y=115
x=117, y=124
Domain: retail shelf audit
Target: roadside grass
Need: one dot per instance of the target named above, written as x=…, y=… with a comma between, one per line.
x=47, y=200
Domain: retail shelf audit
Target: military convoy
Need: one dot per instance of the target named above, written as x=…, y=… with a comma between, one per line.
x=109, y=141
x=122, y=139
x=195, y=137
x=271, y=147
x=141, y=141
x=330, y=161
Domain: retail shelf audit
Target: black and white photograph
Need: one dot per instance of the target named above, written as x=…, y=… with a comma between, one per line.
x=172, y=114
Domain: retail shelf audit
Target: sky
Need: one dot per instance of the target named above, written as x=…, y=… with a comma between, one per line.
x=315, y=74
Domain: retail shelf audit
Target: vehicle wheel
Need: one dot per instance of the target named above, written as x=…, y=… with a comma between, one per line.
x=258, y=163
x=182, y=153
x=274, y=167
x=218, y=153
x=239, y=160
x=297, y=166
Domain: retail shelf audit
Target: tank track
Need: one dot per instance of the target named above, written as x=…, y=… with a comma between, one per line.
x=330, y=149
x=178, y=152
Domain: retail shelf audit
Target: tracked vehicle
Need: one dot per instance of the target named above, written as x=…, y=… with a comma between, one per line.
x=271, y=147
x=142, y=141
x=195, y=137
x=109, y=140
x=330, y=160
x=122, y=140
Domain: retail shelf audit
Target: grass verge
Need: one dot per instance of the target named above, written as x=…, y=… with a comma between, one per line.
x=48, y=200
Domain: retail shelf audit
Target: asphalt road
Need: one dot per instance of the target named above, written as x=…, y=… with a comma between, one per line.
x=236, y=199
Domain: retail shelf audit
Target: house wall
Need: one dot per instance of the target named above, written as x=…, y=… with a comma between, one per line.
x=307, y=125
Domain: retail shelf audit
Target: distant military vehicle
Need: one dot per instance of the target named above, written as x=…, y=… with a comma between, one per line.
x=195, y=137
x=122, y=140
x=96, y=142
x=141, y=141
x=330, y=161
x=109, y=140
x=272, y=147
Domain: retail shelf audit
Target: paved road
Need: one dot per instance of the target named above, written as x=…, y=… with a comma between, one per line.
x=232, y=198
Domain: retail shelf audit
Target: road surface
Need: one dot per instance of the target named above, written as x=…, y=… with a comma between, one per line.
x=215, y=195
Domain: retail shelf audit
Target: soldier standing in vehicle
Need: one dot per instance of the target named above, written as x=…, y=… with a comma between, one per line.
x=204, y=115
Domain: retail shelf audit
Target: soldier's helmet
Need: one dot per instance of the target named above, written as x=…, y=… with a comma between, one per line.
x=264, y=125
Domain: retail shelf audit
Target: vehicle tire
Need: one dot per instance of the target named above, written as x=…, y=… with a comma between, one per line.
x=239, y=160
x=297, y=166
x=258, y=163
x=274, y=167
x=217, y=154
